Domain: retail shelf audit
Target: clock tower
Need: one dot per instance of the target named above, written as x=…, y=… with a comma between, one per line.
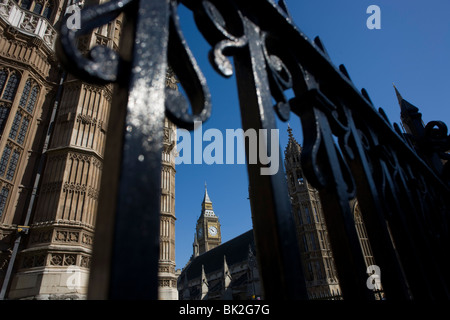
x=208, y=233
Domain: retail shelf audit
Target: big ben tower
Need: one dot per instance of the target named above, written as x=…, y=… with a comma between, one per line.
x=208, y=227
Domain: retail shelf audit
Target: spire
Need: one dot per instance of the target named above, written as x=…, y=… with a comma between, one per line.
x=290, y=132
x=405, y=107
x=399, y=96
x=292, y=146
x=206, y=197
x=207, y=208
x=410, y=117
x=226, y=281
x=204, y=285
x=195, y=246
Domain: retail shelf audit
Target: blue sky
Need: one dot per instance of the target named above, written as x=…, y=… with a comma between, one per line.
x=411, y=50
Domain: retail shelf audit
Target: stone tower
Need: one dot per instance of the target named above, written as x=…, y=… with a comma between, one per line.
x=167, y=279
x=208, y=233
x=318, y=263
x=55, y=181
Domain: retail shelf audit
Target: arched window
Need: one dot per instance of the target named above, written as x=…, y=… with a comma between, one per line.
x=29, y=96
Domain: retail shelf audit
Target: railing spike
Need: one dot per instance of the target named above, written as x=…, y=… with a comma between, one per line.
x=283, y=6
x=344, y=71
x=385, y=117
x=321, y=46
x=366, y=95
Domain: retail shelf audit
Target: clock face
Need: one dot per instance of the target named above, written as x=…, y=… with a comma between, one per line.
x=212, y=230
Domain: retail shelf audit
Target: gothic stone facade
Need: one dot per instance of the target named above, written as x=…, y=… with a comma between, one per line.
x=226, y=272
x=322, y=280
x=318, y=264
x=54, y=258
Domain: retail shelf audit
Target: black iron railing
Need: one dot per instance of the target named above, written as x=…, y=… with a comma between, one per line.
x=349, y=149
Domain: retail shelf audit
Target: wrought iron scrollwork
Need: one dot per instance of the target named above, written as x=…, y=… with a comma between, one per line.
x=350, y=149
x=104, y=65
x=436, y=136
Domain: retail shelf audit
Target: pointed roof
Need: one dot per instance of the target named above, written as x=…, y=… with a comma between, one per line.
x=405, y=106
x=292, y=145
x=399, y=96
x=206, y=196
x=195, y=238
x=226, y=270
x=204, y=279
x=207, y=207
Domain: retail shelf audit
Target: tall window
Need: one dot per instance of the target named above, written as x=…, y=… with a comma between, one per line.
x=307, y=215
x=22, y=120
x=312, y=240
x=38, y=8
x=328, y=268
x=41, y=7
x=3, y=77
x=9, y=81
x=310, y=273
x=32, y=99
x=316, y=216
x=4, y=160
x=47, y=12
x=3, y=198
x=299, y=214
x=29, y=96
x=363, y=238
x=19, y=128
x=26, y=4
x=15, y=126
x=305, y=243
x=23, y=131
x=319, y=270
x=4, y=113
x=12, y=165
x=322, y=240
x=8, y=162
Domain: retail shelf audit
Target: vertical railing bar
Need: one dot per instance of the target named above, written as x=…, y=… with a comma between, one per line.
x=334, y=197
x=394, y=283
x=126, y=244
x=275, y=236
